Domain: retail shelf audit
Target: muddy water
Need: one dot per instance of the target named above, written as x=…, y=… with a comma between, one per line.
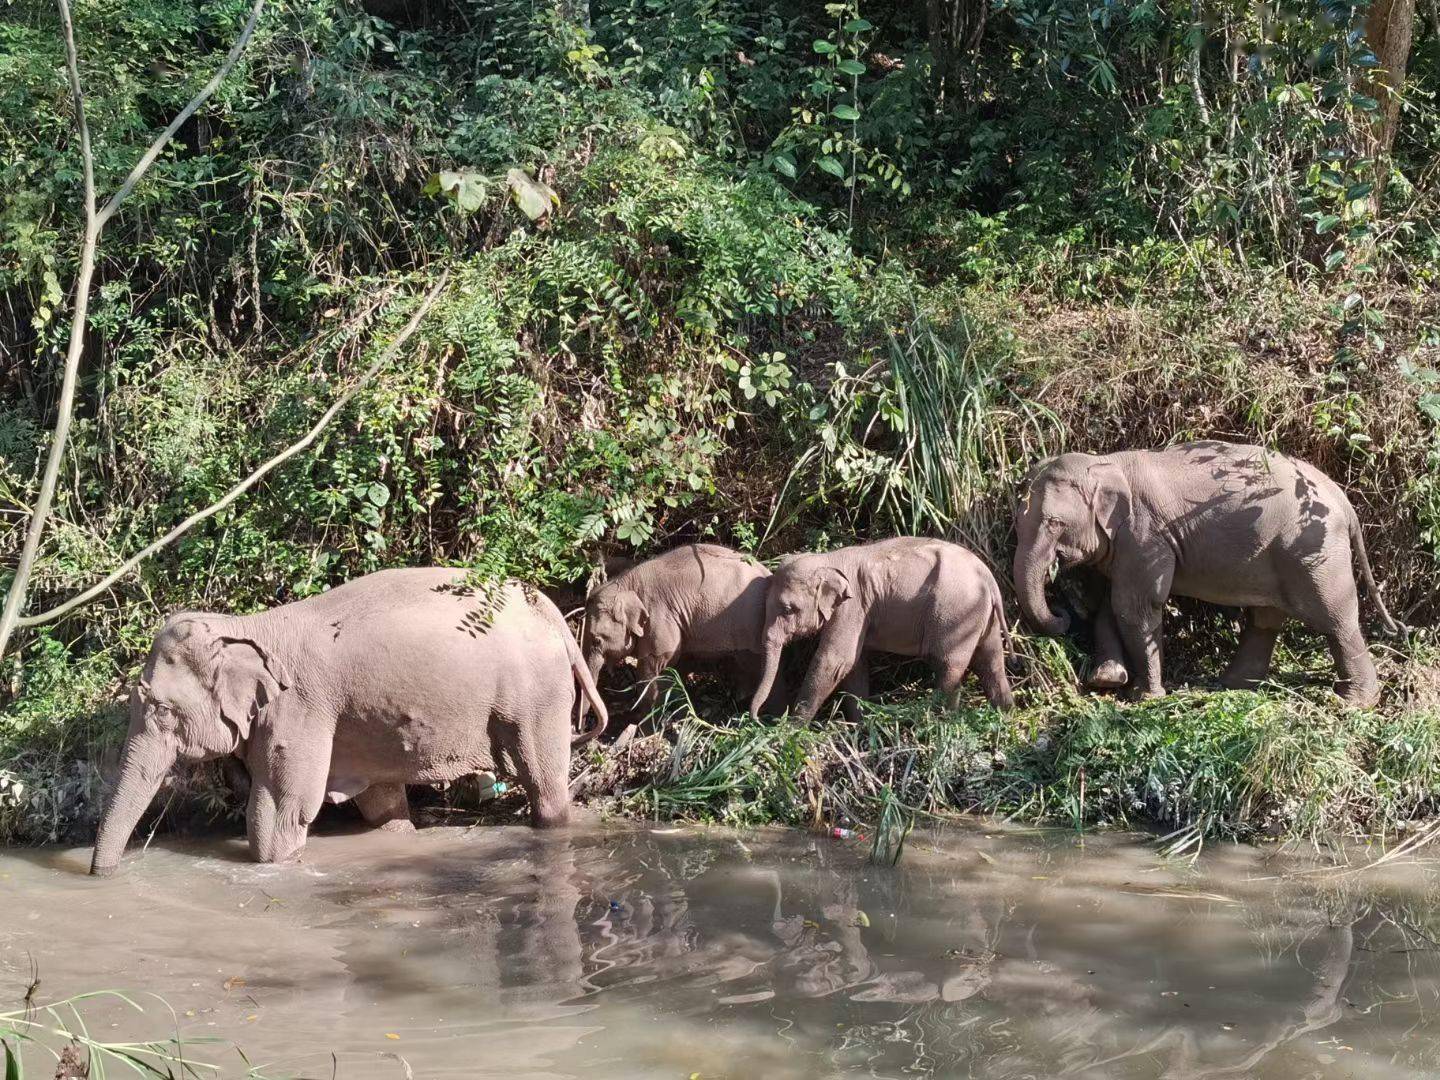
x=623, y=951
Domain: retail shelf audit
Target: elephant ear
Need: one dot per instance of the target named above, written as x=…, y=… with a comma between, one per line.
x=637, y=618
x=247, y=678
x=831, y=590
x=1109, y=497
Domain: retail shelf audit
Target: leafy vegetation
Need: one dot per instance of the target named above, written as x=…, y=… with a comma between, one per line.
x=725, y=269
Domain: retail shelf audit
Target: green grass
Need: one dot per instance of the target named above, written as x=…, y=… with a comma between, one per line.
x=56, y=1034
x=1234, y=764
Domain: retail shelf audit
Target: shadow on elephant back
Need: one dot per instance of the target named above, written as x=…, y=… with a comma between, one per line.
x=411, y=676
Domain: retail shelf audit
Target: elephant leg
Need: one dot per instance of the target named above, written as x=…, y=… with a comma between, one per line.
x=1137, y=597
x=1251, y=662
x=1355, y=678
x=542, y=765
x=1328, y=604
x=841, y=646
x=856, y=688
x=289, y=762
x=988, y=663
x=952, y=667
x=648, y=670
x=386, y=806
x=1107, y=670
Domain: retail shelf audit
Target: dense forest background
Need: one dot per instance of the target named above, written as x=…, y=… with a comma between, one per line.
x=781, y=275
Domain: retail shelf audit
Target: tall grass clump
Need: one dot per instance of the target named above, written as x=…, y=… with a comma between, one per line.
x=1196, y=764
x=57, y=1034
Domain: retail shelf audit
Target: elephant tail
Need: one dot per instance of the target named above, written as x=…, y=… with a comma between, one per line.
x=997, y=605
x=589, y=697
x=1357, y=545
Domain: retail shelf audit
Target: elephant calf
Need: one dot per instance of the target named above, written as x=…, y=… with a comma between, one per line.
x=401, y=677
x=700, y=602
x=1226, y=523
x=909, y=595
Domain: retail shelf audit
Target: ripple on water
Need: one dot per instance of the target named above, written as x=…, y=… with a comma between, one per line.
x=666, y=952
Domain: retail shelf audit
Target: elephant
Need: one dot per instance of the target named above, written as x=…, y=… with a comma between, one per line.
x=405, y=676
x=699, y=602
x=1222, y=522
x=907, y=595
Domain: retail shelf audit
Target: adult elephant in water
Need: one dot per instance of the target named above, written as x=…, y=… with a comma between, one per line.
x=1226, y=523
x=401, y=677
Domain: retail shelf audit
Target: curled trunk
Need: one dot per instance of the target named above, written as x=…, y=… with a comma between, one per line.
x=1033, y=560
x=147, y=759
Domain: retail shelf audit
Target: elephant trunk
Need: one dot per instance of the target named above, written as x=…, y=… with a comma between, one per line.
x=147, y=759
x=774, y=647
x=1033, y=560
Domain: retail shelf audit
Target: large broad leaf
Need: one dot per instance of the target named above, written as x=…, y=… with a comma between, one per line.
x=534, y=197
x=12, y=1062
x=846, y=112
x=468, y=189
x=831, y=166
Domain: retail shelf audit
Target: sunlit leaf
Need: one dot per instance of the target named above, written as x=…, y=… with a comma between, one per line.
x=534, y=197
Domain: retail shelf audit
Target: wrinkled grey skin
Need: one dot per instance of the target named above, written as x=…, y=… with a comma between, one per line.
x=909, y=595
x=397, y=678
x=700, y=602
x=1221, y=522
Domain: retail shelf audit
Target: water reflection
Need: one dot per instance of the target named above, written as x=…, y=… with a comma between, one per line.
x=669, y=952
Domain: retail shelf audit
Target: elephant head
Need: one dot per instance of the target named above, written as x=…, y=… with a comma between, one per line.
x=1074, y=508
x=615, y=620
x=202, y=689
x=802, y=596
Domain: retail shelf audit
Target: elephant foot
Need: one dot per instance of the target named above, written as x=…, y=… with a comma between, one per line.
x=1240, y=680
x=1148, y=693
x=1358, y=697
x=103, y=871
x=1111, y=675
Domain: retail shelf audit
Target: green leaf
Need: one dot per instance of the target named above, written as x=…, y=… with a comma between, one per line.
x=846, y=112
x=534, y=197
x=1361, y=101
x=378, y=493
x=468, y=189
x=824, y=48
x=831, y=166
x=1355, y=192
x=12, y=1062
x=851, y=67
x=784, y=163
x=1326, y=223
x=1334, y=259
x=858, y=26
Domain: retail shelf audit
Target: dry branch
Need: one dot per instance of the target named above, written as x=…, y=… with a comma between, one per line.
x=297, y=447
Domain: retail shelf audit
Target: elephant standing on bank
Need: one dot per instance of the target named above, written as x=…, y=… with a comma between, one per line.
x=700, y=602
x=910, y=596
x=1221, y=522
x=401, y=677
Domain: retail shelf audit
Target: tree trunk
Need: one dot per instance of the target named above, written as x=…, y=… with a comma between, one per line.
x=1389, y=29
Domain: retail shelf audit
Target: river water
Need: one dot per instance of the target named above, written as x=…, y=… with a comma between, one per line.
x=621, y=950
